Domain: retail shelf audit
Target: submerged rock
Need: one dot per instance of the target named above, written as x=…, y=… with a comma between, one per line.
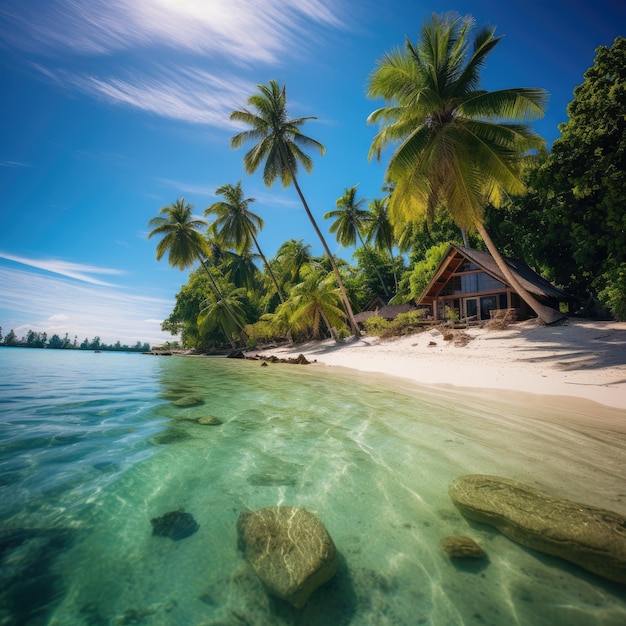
x=171, y=435
x=187, y=401
x=462, y=547
x=176, y=525
x=209, y=420
x=591, y=537
x=289, y=549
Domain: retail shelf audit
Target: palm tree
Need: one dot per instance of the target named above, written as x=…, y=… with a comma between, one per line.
x=182, y=241
x=380, y=231
x=350, y=220
x=455, y=148
x=291, y=257
x=280, y=145
x=238, y=226
x=226, y=313
x=314, y=300
x=241, y=269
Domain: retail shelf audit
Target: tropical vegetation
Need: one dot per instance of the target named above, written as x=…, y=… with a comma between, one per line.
x=455, y=150
x=464, y=167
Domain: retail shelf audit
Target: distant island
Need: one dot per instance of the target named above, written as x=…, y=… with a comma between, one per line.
x=34, y=339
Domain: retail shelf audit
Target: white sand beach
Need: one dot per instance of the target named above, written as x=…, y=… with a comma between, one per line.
x=581, y=360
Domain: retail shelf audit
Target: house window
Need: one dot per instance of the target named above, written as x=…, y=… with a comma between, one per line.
x=474, y=282
x=488, y=283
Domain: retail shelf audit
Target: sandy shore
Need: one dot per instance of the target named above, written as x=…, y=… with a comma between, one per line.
x=581, y=359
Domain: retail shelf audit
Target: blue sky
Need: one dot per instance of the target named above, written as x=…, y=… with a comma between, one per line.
x=111, y=110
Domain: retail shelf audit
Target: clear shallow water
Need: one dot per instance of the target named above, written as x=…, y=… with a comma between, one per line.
x=92, y=449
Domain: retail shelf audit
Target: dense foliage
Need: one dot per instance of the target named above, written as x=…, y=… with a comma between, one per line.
x=570, y=225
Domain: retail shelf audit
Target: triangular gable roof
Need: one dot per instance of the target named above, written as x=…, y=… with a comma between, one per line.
x=530, y=280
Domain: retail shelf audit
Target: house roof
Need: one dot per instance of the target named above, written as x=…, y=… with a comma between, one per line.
x=530, y=280
x=389, y=311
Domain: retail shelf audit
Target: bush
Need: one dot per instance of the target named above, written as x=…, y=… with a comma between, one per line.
x=404, y=324
x=613, y=295
x=375, y=325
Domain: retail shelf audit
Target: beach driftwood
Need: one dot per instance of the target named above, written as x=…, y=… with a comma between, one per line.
x=593, y=538
x=289, y=549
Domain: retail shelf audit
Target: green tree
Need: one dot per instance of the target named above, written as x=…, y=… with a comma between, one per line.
x=10, y=339
x=218, y=313
x=422, y=271
x=350, y=221
x=32, y=339
x=314, y=300
x=183, y=242
x=241, y=269
x=455, y=149
x=372, y=266
x=581, y=185
x=280, y=145
x=56, y=342
x=380, y=231
x=237, y=226
x=290, y=258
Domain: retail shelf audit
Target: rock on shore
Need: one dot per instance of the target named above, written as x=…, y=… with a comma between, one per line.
x=593, y=538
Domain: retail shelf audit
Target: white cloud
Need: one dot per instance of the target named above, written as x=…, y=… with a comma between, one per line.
x=64, y=268
x=225, y=33
x=236, y=29
x=58, y=317
x=56, y=305
x=188, y=94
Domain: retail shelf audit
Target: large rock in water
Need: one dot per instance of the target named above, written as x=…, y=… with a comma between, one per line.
x=289, y=549
x=590, y=537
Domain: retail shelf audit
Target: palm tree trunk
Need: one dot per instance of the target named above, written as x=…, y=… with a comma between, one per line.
x=269, y=269
x=333, y=334
x=344, y=296
x=395, y=274
x=233, y=345
x=546, y=314
x=219, y=295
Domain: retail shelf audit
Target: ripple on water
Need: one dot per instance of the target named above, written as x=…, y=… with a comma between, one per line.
x=374, y=465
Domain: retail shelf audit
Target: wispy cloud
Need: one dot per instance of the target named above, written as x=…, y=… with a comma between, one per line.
x=227, y=34
x=235, y=29
x=188, y=94
x=56, y=305
x=190, y=188
x=191, y=95
x=76, y=271
x=13, y=164
x=261, y=196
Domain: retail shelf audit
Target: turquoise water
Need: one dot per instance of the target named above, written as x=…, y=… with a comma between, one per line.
x=93, y=448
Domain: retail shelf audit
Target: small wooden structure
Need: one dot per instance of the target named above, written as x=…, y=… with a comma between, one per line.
x=469, y=284
x=378, y=306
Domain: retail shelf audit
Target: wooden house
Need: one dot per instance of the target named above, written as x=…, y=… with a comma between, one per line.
x=470, y=283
